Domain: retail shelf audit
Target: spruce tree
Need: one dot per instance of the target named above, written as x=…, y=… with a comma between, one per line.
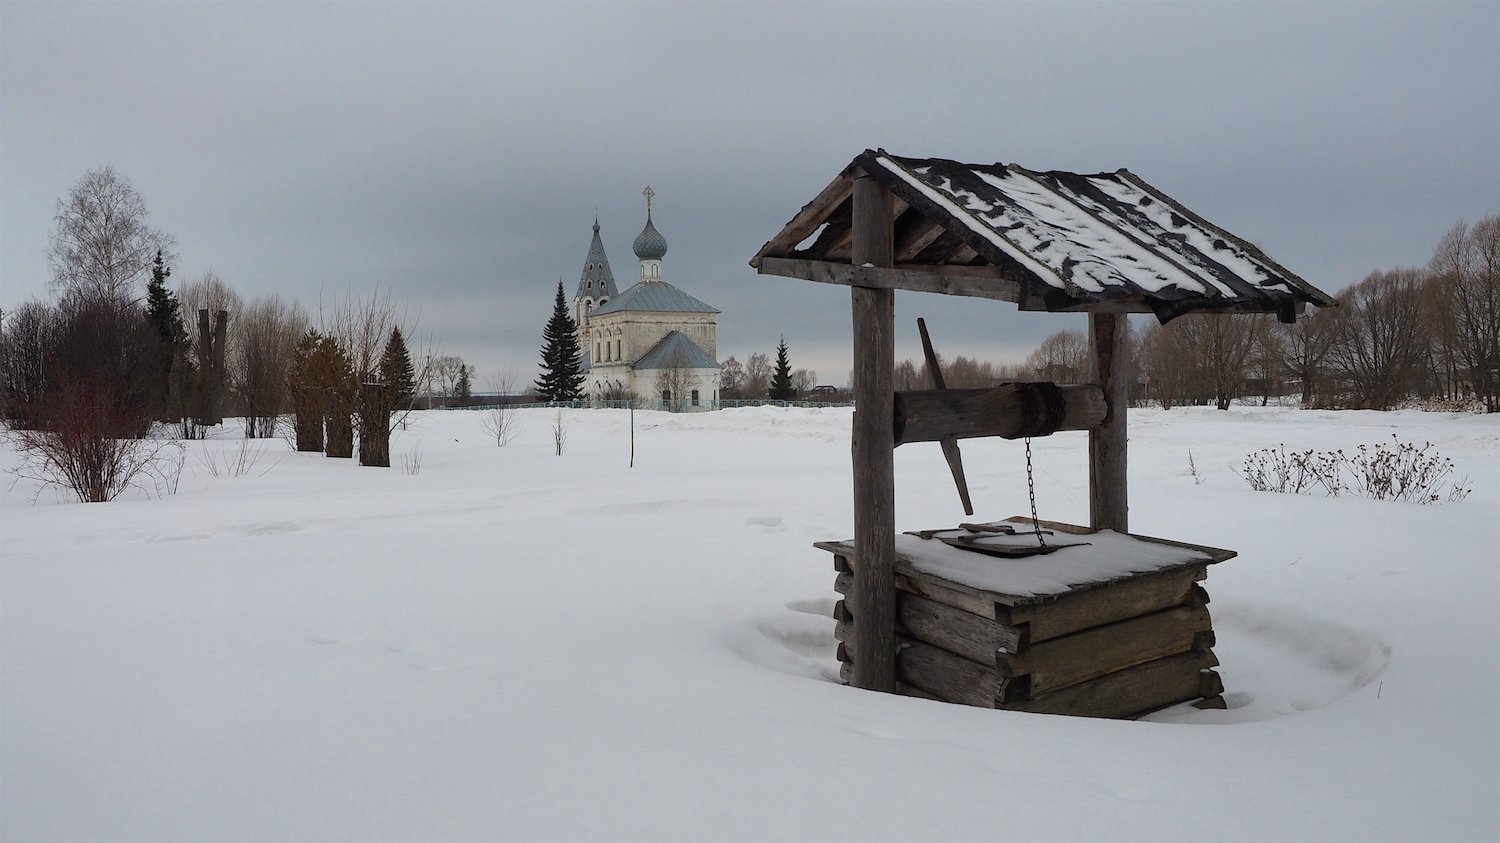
x=781, y=379
x=562, y=375
x=463, y=390
x=333, y=371
x=396, y=371
x=307, y=392
x=164, y=313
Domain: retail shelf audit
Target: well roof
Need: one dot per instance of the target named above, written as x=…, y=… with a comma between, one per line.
x=1046, y=240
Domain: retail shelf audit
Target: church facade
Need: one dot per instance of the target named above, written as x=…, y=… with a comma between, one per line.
x=653, y=343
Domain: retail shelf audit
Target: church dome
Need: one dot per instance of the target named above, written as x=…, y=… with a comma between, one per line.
x=649, y=244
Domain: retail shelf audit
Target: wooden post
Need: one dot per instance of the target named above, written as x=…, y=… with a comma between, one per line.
x=1108, y=503
x=873, y=603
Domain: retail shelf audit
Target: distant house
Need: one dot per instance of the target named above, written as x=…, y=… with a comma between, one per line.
x=653, y=342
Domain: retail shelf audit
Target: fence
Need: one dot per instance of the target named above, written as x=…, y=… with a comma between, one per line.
x=683, y=406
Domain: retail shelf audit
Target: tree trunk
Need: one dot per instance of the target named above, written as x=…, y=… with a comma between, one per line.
x=375, y=425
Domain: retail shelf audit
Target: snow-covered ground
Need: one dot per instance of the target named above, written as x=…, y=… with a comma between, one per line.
x=518, y=646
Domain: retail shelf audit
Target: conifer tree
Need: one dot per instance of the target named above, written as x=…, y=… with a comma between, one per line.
x=307, y=391
x=781, y=381
x=334, y=373
x=463, y=390
x=396, y=371
x=562, y=375
x=164, y=313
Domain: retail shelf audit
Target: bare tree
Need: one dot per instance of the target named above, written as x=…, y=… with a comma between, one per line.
x=501, y=421
x=1264, y=364
x=208, y=292
x=442, y=374
x=1062, y=357
x=1217, y=345
x=1379, y=336
x=1304, y=346
x=266, y=333
x=673, y=380
x=1467, y=264
x=29, y=339
x=757, y=376
x=731, y=378
x=804, y=380
x=102, y=246
x=1160, y=361
x=906, y=376
x=203, y=299
x=362, y=326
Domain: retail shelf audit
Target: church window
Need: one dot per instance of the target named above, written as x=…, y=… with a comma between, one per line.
x=695, y=398
x=617, y=349
x=666, y=395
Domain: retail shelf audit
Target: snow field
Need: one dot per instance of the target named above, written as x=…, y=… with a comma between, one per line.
x=513, y=645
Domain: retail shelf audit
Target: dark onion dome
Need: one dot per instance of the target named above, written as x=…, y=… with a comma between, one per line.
x=649, y=244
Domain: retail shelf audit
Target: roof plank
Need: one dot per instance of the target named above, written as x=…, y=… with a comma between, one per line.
x=978, y=281
x=1107, y=242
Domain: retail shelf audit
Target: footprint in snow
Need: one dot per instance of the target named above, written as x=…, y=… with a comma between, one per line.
x=772, y=523
x=272, y=528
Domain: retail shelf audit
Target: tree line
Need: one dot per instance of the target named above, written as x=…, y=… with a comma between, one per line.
x=760, y=377
x=1428, y=333
x=116, y=349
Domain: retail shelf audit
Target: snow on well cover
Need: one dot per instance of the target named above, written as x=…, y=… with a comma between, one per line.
x=1093, y=558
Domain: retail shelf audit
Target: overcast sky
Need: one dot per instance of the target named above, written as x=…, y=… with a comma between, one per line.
x=455, y=154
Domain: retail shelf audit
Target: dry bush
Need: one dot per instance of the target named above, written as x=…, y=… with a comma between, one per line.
x=1399, y=471
x=77, y=445
x=501, y=420
x=411, y=463
x=233, y=463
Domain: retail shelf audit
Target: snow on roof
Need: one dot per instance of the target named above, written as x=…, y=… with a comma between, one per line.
x=1069, y=241
x=654, y=296
x=675, y=350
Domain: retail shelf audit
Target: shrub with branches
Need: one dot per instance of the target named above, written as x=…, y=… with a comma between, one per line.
x=1399, y=471
x=78, y=445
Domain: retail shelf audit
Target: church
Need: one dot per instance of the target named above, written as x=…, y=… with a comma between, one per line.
x=653, y=343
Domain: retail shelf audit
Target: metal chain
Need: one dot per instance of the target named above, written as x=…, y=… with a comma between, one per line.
x=1031, y=491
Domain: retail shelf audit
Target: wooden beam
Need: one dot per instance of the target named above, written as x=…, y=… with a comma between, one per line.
x=1109, y=507
x=873, y=602
x=807, y=220
x=949, y=443
x=918, y=238
x=984, y=282
x=932, y=415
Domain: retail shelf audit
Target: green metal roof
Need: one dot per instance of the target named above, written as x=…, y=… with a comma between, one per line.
x=655, y=297
x=675, y=350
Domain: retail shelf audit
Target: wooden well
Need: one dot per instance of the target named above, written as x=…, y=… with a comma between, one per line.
x=1113, y=638
x=1105, y=244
